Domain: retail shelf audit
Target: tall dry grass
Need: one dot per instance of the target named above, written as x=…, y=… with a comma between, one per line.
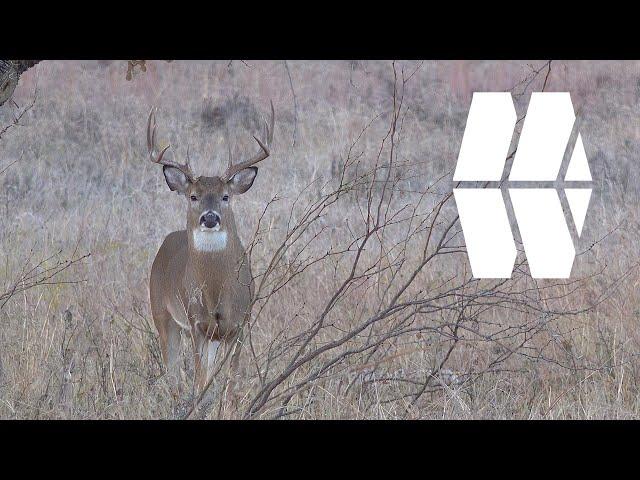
x=83, y=346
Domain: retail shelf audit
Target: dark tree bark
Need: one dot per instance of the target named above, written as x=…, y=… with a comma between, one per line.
x=10, y=71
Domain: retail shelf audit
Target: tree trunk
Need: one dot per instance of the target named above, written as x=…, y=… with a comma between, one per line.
x=10, y=71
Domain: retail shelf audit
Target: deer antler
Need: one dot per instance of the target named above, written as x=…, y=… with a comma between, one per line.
x=156, y=155
x=258, y=157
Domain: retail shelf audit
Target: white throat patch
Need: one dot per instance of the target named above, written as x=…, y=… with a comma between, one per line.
x=209, y=240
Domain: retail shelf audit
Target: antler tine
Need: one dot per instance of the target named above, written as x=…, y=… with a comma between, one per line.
x=151, y=136
x=258, y=157
x=227, y=140
x=157, y=157
x=270, y=127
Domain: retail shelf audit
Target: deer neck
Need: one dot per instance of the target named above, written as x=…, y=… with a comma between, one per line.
x=212, y=252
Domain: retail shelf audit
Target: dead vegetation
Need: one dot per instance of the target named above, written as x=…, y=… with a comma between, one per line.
x=364, y=305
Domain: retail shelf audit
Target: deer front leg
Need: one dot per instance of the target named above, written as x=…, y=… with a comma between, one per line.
x=200, y=361
x=211, y=351
x=171, y=353
x=169, y=339
x=205, y=351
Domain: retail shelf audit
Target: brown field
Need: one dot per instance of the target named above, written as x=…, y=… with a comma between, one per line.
x=335, y=334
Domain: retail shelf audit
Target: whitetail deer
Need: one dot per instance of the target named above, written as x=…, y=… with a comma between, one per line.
x=201, y=278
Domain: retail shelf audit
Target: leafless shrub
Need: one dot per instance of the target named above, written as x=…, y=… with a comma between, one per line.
x=34, y=272
x=377, y=300
x=39, y=271
x=364, y=307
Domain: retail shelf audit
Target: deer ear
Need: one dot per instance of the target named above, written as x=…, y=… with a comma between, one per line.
x=242, y=181
x=176, y=180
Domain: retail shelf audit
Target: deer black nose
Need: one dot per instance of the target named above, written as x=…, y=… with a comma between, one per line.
x=209, y=219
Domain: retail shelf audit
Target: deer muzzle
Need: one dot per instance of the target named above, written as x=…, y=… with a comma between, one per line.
x=210, y=219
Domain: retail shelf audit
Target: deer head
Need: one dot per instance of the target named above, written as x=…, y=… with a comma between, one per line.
x=209, y=199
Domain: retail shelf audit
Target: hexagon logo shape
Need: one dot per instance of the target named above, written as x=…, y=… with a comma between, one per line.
x=538, y=212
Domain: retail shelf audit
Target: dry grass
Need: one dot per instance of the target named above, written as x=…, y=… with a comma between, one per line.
x=83, y=346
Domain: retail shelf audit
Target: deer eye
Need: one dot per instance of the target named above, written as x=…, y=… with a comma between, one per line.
x=225, y=198
x=194, y=198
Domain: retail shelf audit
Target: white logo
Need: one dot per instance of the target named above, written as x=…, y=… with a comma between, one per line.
x=545, y=234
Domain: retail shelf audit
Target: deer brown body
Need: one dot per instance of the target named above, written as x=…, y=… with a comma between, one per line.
x=201, y=280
